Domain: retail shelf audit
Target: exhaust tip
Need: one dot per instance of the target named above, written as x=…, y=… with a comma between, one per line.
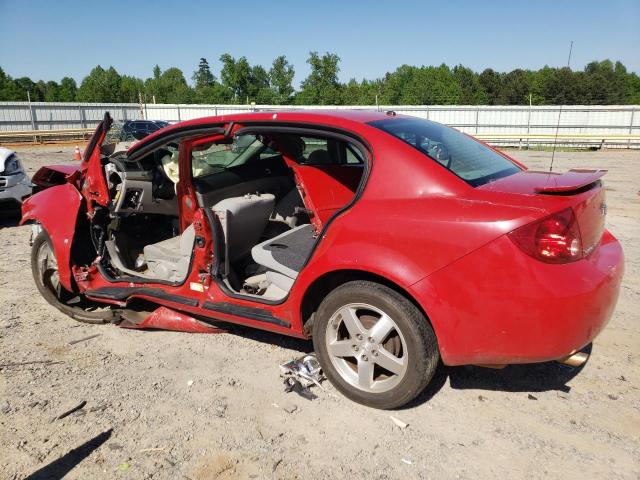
x=576, y=359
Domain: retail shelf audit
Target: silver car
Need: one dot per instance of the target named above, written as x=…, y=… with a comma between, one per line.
x=14, y=181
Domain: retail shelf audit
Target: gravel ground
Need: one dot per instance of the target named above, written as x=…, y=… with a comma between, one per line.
x=173, y=405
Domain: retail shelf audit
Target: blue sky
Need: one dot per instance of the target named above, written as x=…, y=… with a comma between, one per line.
x=50, y=39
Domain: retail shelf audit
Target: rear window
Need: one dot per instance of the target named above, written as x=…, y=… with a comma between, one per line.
x=467, y=158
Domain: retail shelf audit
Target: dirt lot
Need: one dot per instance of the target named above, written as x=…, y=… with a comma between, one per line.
x=172, y=405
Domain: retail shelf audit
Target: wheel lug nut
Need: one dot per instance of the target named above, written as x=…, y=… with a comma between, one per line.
x=371, y=340
x=359, y=336
x=365, y=358
x=355, y=348
x=374, y=353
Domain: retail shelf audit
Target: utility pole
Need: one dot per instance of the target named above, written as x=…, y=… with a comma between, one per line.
x=140, y=105
x=33, y=123
x=555, y=140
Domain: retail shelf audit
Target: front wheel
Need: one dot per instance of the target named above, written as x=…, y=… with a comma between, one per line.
x=374, y=345
x=44, y=267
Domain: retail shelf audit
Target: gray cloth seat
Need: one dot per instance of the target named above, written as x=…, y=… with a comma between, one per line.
x=169, y=260
x=285, y=209
x=243, y=220
x=285, y=255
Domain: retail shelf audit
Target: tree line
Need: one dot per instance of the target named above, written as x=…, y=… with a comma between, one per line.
x=239, y=82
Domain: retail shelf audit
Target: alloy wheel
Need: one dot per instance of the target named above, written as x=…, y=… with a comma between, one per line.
x=366, y=347
x=48, y=269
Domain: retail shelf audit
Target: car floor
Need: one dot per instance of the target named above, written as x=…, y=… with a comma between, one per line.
x=168, y=405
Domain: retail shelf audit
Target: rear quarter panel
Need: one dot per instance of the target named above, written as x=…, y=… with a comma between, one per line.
x=412, y=219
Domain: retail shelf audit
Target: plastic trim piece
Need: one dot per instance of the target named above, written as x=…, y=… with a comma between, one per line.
x=123, y=293
x=252, y=313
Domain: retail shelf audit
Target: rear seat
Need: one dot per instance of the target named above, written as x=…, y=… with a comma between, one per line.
x=285, y=255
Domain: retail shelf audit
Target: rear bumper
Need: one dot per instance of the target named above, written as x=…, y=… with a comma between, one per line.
x=497, y=305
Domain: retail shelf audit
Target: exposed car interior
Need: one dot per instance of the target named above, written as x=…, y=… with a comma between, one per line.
x=270, y=195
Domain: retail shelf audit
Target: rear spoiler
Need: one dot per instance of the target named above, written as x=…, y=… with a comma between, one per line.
x=570, y=181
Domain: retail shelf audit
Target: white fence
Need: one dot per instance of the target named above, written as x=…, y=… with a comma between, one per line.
x=478, y=120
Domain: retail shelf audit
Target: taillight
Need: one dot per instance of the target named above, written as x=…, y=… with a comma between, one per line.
x=553, y=239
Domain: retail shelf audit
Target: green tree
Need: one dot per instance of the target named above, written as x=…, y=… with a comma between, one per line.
x=8, y=88
x=321, y=87
x=516, y=87
x=361, y=93
x=68, y=90
x=491, y=83
x=633, y=89
x=259, y=89
x=352, y=93
x=556, y=86
x=215, y=93
x=472, y=92
x=39, y=91
x=24, y=85
x=605, y=83
x=281, y=80
x=422, y=86
x=130, y=87
x=100, y=86
x=169, y=86
x=207, y=88
x=203, y=76
x=236, y=76
x=52, y=92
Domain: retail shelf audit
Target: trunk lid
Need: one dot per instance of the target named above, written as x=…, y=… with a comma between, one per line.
x=532, y=182
x=581, y=190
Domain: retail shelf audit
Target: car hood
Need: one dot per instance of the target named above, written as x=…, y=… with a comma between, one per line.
x=66, y=169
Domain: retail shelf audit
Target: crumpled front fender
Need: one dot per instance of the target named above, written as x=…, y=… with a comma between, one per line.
x=56, y=209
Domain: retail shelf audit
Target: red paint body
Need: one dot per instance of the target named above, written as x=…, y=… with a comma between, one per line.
x=418, y=226
x=164, y=318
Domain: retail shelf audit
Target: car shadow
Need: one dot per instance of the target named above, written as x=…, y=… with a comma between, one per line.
x=8, y=220
x=60, y=467
x=529, y=378
x=291, y=343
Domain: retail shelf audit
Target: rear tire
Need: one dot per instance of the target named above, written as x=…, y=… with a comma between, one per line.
x=374, y=345
x=44, y=267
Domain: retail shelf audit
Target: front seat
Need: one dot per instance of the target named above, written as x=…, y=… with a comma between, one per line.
x=169, y=260
x=243, y=220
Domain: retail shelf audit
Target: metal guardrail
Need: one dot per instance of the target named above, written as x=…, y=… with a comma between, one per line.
x=46, y=133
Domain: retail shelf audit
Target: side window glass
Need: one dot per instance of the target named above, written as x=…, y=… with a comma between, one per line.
x=210, y=158
x=353, y=156
x=316, y=151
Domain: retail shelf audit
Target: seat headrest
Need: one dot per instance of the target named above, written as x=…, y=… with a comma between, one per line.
x=290, y=145
x=319, y=157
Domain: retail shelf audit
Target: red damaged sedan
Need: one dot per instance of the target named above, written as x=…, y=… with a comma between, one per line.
x=391, y=241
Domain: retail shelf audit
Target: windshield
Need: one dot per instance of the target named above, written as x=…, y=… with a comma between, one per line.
x=214, y=157
x=467, y=158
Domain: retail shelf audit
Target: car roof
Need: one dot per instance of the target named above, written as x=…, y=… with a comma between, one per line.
x=319, y=116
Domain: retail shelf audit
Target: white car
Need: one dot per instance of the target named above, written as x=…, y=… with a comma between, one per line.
x=14, y=181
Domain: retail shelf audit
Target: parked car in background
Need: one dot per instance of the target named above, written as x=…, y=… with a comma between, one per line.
x=393, y=242
x=15, y=185
x=138, y=129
